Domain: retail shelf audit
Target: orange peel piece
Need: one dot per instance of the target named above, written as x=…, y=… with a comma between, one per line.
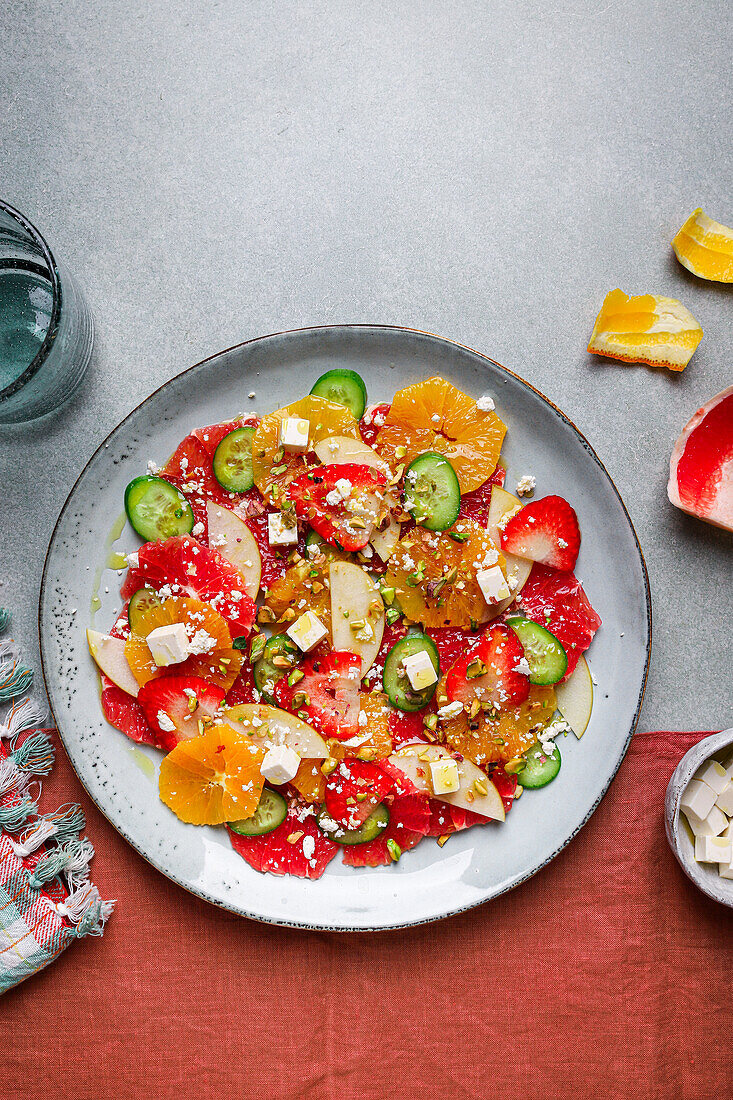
x=213, y=778
x=646, y=328
x=705, y=247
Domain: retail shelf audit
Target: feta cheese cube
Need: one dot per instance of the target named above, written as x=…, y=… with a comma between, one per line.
x=697, y=801
x=307, y=631
x=280, y=764
x=727, y=763
x=713, y=825
x=713, y=849
x=714, y=774
x=724, y=800
x=492, y=583
x=280, y=531
x=168, y=644
x=444, y=776
x=294, y=432
x=420, y=670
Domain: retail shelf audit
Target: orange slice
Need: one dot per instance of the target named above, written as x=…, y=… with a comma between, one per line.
x=273, y=469
x=435, y=416
x=502, y=737
x=304, y=582
x=645, y=329
x=435, y=578
x=705, y=248
x=213, y=778
x=377, y=709
x=220, y=665
x=309, y=781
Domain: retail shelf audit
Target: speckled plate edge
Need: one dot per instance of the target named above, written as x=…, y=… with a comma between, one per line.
x=706, y=880
x=518, y=879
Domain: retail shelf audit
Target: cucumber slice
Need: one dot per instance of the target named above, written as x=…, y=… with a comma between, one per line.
x=398, y=689
x=539, y=768
x=233, y=461
x=266, y=673
x=270, y=813
x=547, y=660
x=432, y=493
x=375, y=824
x=141, y=602
x=156, y=509
x=345, y=387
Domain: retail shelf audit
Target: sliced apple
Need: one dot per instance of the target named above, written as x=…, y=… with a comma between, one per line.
x=109, y=654
x=341, y=448
x=355, y=598
x=414, y=762
x=263, y=723
x=238, y=545
x=502, y=506
x=384, y=542
x=575, y=698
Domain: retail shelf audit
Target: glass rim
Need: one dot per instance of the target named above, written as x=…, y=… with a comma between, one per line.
x=42, y=354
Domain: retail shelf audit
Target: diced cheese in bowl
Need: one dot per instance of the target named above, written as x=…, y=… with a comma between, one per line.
x=294, y=432
x=713, y=849
x=714, y=774
x=168, y=644
x=307, y=632
x=707, y=803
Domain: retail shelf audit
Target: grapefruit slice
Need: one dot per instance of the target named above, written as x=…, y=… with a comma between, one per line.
x=705, y=247
x=646, y=328
x=213, y=778
x=556, y=600
x=409, y=821
x=701, y=466
x=282, y=852
x=435, y=416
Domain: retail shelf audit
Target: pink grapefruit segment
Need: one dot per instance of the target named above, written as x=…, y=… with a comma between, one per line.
x=701, y=466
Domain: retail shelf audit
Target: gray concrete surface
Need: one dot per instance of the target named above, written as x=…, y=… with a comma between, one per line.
x=487, y=171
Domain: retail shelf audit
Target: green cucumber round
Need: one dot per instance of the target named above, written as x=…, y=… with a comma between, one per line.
x=375, y=824
x=140, y=603
x=271, y=812
x=539, y=767
x=432, y=494
x=398, y=688
x=233, y=461
x=156, y=509
x=546, y=657
x=266, y=674
x=345, y=387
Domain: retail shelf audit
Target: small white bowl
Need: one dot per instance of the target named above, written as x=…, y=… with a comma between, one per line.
x=704, y=875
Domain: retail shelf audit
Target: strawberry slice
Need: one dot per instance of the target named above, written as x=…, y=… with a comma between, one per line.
x=174, y=705
x=372, y=420
x=353, y=791
x=341, y=501
x=487, y=673
x=409, y=821
x=475, y=505
x=545, y=531
x=328, y=695
x=243, y=690
x=557, y=601
x=190, y=569
x=283, y=851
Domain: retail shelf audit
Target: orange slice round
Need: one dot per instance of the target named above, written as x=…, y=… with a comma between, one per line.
x=434, y=577
x=273, y=469
x=435, y=416
x=647, y=328
x=503, y=737
x=705, y=248
x=213, y=778
x=219, y=665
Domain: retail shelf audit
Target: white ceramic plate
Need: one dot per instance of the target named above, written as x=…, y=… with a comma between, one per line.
x=430, y=882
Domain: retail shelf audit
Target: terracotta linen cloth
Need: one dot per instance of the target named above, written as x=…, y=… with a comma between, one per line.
x=607, y=975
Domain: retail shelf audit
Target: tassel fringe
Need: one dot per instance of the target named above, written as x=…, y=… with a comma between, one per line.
x=35, y=755
x=14, y=682
x=23, y=716
x=5, y=618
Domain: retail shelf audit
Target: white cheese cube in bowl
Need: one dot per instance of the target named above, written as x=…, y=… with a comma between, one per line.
x=420, y=671
x=714, y=774
x=712, y=825
x=713, y=849
x=307, y=632
x=724, y=801
x=493, y=585
x=697, y=801
x=281, y=530
x=168, y=644
x=444, y=776
x=294, y=432
x=280, y=764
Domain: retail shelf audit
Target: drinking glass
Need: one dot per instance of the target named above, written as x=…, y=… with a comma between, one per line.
x=46, y=330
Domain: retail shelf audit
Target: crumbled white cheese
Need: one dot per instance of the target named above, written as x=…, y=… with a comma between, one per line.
x=522, y=666
x=309, y=846
x=201, y=642
x=485, y=403
x=526, y=485
x=197, y=530
x=165, y=721
x=450, y=710
x=133, y=559
x=344, y=487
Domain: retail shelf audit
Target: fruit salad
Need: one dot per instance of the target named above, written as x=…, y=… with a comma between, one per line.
x=342, y=629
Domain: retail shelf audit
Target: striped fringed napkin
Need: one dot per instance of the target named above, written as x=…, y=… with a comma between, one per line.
x=46, y=898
